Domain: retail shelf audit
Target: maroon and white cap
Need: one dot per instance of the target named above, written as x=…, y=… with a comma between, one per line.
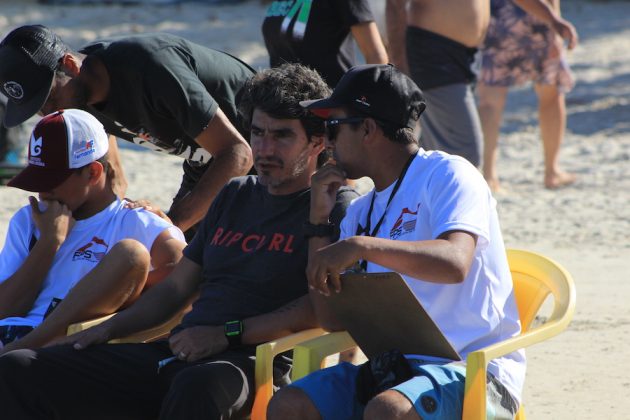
x=60, y=142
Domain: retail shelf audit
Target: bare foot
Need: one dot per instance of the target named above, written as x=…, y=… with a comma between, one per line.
x=559, y=180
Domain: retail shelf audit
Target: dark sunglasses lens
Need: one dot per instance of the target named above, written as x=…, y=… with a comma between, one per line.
x=331, y=131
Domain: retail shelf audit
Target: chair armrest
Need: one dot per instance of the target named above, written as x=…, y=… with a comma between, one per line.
x=265, y=354
x=139, y=337
x=477, y=364
x=80, y=326
x=309, y=356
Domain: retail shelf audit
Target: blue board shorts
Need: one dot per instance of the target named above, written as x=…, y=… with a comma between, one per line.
x=436, y=392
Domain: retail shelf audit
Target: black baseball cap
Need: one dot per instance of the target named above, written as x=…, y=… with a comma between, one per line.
x=29, y=56
x=379, y=90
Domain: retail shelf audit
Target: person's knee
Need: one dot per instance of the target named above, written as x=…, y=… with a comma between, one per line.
x=207, y=392
x=390, y=405
x=291, y=403
x=130, y=254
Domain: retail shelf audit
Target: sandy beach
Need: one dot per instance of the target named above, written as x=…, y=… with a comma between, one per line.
x=577, y=375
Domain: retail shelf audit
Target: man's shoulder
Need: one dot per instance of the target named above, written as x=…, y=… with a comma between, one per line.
x=23, y=216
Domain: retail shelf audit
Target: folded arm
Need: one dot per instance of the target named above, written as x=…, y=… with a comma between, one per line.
x=195, y=343
x=19, y=292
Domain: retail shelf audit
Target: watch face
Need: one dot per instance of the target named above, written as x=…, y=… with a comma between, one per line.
x=233, y=328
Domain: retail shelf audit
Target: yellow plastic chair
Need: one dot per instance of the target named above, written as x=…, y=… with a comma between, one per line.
x=265, y=354
x=535, y=277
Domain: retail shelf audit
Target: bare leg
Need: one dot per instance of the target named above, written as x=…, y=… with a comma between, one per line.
x=491, y=104
x=390, y=405
x=552, y=119
x=292, y=403
x=115, y=282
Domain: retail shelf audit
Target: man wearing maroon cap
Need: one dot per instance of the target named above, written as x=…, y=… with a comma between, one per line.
x=77, y=252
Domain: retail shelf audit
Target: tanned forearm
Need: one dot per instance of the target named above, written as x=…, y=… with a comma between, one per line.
x=293, y=317
x=234, y=162
x=396, y=20
x=444, y=261
x=19, y=292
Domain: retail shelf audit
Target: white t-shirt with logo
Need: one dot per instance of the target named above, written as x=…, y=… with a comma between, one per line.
x=441, y=193
x=89, y=240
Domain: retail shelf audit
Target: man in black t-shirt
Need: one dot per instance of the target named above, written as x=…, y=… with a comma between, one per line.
x=320, y=34
x=156, y=90
x=247, y=266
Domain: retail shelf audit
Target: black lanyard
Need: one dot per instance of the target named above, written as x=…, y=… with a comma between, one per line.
x=362, y=231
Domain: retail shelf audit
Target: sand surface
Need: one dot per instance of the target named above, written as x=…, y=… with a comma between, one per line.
x=580, y=374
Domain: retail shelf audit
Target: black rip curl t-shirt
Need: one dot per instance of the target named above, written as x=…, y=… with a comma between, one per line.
x=252, y=251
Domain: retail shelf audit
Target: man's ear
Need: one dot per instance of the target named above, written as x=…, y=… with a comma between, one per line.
x=370, y=127
x=70, y=65
x=95, y=170
x=318, y=143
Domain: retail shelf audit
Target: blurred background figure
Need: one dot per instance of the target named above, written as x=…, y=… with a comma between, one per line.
x=319, y=34
x=524, y=43
x=435, y=42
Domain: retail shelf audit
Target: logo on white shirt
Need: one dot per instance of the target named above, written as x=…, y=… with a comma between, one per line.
x=406, y=223
x=93, y=251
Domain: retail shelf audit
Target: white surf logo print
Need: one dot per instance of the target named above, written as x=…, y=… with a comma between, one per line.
x=36, y=146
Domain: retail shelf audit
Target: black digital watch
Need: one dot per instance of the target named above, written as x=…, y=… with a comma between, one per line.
x=234, y=333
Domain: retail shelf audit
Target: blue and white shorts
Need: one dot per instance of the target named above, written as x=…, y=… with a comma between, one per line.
x=436, y=392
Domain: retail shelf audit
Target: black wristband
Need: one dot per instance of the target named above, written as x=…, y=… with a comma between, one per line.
x=309, y=230
x=234, y=333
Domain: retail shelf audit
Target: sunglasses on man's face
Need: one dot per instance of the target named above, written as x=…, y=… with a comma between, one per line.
x=332, y=126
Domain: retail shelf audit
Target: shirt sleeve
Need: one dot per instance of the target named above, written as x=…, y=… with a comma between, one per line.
x=460, y=200
x=145, y=227
x=353, y=11
x=16, y=245
x=176, y=92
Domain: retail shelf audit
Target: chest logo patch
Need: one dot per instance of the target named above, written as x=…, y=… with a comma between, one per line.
x=406, y=223
x=93, y=251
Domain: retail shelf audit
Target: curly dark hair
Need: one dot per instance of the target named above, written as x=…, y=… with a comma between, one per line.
x=278, y=92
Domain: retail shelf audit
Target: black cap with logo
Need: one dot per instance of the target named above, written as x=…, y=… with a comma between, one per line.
x=378, y=90
x=29, y=56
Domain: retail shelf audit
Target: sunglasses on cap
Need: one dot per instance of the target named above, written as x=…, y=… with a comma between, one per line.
x=332, y=126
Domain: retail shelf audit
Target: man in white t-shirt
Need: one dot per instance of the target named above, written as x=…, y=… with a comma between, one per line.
x=77, y=252
x=431, y=218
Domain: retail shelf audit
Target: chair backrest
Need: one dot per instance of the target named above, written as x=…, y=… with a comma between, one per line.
x=535, y=277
